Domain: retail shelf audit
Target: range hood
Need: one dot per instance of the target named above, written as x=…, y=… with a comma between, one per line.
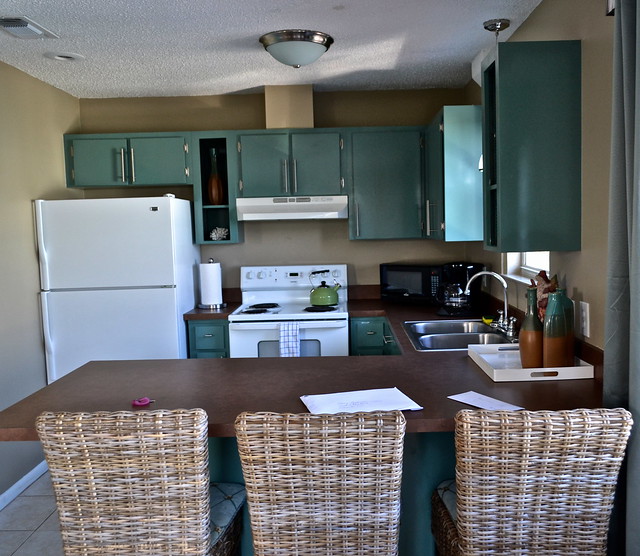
x=321, y=207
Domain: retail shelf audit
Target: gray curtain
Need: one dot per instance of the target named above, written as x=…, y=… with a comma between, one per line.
x=622, y=317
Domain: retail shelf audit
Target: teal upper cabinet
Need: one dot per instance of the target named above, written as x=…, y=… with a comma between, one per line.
x=287, y=163
x=532, y=146
x=316, y=163
x=215, y=162
x=125, y=160
x=386, y=172
x=453, y=204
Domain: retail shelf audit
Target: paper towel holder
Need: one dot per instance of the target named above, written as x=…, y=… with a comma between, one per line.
x=215, y=306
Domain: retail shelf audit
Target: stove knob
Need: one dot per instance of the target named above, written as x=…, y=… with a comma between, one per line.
x=261, y=275
x=336, y=274
x=249, y=275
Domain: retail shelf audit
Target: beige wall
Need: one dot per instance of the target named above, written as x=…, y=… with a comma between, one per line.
x=582, y=272
x=34, y=116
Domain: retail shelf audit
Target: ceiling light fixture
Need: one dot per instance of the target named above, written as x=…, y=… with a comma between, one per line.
x=496, y=25
x=296, y=47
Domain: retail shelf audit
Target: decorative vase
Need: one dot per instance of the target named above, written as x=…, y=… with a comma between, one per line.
x=567, y=305
x=530, y=337
x=214, y=186
x=557, y=341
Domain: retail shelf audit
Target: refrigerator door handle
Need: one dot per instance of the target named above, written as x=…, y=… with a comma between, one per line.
x=41, y=248
x=48, y=340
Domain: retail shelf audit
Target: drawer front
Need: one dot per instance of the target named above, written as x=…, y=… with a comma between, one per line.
x=369, y=333
x=209, y=336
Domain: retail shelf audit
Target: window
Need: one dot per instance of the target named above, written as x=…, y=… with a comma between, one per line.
x=525, y=266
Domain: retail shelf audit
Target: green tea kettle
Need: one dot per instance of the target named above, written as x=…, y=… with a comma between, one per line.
x=324, y=295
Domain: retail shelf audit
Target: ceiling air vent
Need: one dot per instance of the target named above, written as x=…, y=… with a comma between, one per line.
x=24, y=28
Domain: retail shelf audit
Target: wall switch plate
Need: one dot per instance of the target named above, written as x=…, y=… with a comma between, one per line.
x=584, y=319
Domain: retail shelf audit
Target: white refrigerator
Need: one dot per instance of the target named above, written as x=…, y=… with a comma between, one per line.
x=116, y=276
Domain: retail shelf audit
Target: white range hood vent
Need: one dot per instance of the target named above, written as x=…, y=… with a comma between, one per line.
x=319, y=207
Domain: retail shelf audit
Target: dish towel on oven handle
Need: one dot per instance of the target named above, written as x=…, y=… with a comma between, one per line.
x=289, y=339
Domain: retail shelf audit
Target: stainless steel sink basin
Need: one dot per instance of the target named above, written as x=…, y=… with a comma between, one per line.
x=450, y=335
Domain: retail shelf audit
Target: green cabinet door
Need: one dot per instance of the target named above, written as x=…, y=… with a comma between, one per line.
x=119, y=160
x=371, y=336
x=208, y=338
x=386, y=173
x=97, y=162
x=264, y=165
x=158, y=161
x=532, y=146
x=316, y=164
x=453, y=205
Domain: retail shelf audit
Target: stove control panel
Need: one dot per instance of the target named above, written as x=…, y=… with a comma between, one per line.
x=291, y=277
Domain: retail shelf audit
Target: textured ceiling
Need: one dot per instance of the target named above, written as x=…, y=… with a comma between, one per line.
x=141, y=48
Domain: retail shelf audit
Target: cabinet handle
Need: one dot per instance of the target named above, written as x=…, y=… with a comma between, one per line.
x=428, y=217
x=133, y=167
x=122, y=164
x=285, y=174
x=387, y=339
x=295, y=175
x=208, y=335
x=341, y=183
x=357, y=220
x=371, y=332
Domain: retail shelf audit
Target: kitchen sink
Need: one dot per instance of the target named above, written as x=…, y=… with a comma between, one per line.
x=451, y=335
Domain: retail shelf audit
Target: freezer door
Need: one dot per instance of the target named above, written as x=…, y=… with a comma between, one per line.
x=106, y=243
x=82, y=326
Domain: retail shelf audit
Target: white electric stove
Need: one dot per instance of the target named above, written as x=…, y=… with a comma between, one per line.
x=275, y=301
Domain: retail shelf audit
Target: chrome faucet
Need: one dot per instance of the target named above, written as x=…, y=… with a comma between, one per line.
x=504, y=324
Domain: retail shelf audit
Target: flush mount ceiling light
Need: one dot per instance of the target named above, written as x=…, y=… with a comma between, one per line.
x=296, y=47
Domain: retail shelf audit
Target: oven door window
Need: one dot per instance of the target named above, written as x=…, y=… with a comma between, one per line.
x=271, y=348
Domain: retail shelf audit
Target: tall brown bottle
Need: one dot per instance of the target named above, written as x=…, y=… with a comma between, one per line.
x=530, y=336
x=214, y=187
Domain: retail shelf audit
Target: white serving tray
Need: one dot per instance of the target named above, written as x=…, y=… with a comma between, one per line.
x=502, y=363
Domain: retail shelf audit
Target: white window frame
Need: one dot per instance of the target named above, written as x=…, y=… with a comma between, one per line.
x=515, y=266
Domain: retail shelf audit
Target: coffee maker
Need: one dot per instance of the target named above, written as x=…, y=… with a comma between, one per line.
x=451, y=295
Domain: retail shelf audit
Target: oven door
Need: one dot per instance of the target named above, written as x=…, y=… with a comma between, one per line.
x=262, y=339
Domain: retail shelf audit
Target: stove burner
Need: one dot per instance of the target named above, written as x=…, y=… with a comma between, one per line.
x=264, y=306
x=254, y=311
x=320, y=308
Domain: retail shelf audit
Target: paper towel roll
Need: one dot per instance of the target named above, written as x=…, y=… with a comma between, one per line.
x=211, y=285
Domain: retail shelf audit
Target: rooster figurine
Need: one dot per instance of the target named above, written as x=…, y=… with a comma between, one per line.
x=544, y=287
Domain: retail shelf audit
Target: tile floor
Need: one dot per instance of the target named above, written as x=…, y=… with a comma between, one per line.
x=29, y=524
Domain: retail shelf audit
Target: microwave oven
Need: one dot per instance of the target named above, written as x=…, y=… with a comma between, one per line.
x=411, y=281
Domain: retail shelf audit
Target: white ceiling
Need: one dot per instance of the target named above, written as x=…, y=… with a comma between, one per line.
x=141, y=48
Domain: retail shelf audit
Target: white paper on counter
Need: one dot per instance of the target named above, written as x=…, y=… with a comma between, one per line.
x=380, y=399
x=482, y=401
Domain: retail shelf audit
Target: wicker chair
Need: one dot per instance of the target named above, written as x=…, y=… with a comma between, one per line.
x=138, y=483
x=322, y=484
x=531, y=482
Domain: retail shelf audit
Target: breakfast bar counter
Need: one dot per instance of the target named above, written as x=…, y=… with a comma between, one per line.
x=226, y=387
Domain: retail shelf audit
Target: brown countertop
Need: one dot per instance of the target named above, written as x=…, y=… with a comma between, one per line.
x=225, y=387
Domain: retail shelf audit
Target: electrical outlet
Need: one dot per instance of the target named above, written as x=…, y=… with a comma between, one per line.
x=584, y=319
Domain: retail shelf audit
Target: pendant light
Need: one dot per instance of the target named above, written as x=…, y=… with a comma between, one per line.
x=296, y=47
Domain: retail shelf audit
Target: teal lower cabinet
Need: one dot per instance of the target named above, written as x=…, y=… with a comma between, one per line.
x=208, y=338
x=371, y=336
x=429, y=459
